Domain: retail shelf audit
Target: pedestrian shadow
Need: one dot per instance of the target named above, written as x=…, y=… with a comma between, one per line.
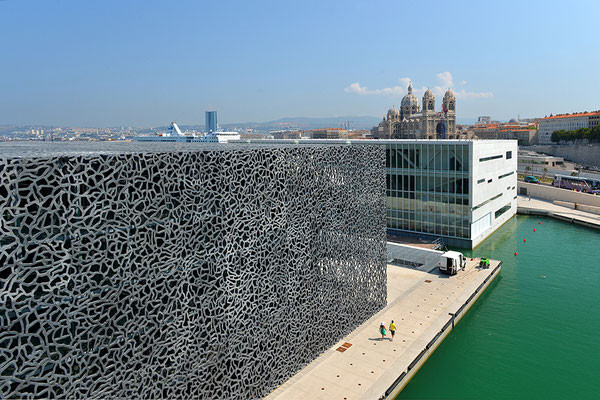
x=380, y=339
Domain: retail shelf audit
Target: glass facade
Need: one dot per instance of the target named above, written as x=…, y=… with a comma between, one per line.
x=428, y=188
x=210, y=121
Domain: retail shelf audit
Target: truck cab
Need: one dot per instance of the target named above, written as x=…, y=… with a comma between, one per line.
x=451, y=261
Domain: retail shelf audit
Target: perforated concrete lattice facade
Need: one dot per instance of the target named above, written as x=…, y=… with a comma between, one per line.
x=183, y=271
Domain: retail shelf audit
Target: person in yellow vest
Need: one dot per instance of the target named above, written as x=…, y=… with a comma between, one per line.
x=393, y=329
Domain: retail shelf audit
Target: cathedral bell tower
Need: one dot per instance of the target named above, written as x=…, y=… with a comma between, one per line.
x=449, y=102
x=428, y=119
x=449, y=109
x=428, y=102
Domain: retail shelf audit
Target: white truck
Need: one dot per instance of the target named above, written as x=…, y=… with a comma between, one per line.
x=451, y=262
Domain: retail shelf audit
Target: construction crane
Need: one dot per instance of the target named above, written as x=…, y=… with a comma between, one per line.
x=344, y=125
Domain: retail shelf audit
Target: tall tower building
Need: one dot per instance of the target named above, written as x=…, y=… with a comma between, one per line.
x=210, y=121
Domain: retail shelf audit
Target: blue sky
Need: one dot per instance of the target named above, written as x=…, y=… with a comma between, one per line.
x=148, y=62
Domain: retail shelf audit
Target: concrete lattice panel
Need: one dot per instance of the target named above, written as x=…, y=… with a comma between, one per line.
x=209, y=272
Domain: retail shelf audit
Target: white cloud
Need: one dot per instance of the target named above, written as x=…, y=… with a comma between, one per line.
x=446, y=82
x=463, y=94
x=438, y=91
x=399, y=90
x=390, y=91
x=356, y=88
x=404, y=82
x=446, y=79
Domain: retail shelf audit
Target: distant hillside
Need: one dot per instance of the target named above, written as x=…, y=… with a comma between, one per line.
x=297, y=123
x=357, y=122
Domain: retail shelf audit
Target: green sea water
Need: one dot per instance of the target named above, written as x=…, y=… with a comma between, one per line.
x=535, y=333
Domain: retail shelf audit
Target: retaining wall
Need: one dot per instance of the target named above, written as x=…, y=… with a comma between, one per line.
x=552, y=193
x=580, y=153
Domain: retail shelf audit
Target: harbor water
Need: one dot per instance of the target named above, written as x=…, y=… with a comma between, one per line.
x=535, y=333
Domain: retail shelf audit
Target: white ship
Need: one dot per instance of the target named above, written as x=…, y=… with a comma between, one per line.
x=220, y=137
x=175, y=135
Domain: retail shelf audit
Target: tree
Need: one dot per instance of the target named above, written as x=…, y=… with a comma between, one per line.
x=591, y=134
x=595, y=134
x=559, y=135
x=579, y=133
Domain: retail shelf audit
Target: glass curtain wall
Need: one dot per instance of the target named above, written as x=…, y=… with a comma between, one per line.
x=428, y=188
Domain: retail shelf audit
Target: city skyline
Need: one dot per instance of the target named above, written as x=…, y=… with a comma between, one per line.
x=133, y=64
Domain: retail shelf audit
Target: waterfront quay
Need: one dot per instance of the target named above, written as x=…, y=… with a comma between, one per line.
x=425, y=306
x=533, y=206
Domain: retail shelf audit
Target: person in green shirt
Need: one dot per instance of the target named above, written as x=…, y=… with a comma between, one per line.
x=393, y=329
x=382, y=330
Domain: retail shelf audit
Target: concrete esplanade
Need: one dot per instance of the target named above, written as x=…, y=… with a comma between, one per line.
x=552, y=193
x=424, y=305
x=533, y=206
x=566, y=205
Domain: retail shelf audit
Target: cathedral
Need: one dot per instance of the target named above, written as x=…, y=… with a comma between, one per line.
x=410, y=122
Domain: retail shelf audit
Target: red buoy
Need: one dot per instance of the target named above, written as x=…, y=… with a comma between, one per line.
x=524, y=240
x=515, y=253
x=534, y=229
x=539, y=222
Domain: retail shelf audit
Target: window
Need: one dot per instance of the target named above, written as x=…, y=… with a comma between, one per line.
x=489, y=181
x=508, y=155
x=481, y=180
x=505, y=175
x=487, y=201
x=489, y=158
x=501, y=211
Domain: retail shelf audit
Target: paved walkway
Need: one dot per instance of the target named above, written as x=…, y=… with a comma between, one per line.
x=535, y=206
x=362, y=365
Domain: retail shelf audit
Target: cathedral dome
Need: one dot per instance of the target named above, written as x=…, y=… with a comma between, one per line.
x=393, y=113
x=410, y=99
x=428, y=94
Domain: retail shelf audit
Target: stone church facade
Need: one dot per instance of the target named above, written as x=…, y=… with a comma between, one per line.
x=412, y=122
